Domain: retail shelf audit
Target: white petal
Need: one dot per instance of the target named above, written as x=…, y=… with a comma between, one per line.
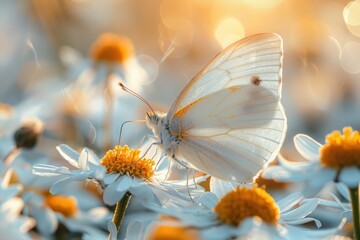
x=110, y=178
x=143, y=191
x=50, y=170
x=124, y=183
x=307, y=147
x=281, y=174
x=93, y=159
x=294, y=166
x=289, y=201
x=112, y=230
x=322, y=233
x=350, y=176
x=60, y=185
x=343, y=190
x=99, y=172
x=221, y=187
x=304, y=220
x=111, y=196
x=69, y=154
x=47, y=221
x=134, y=230
x=83, y=160
x=301, y=211
x=208, y=199
x=219, y=232
x=10, y=192
x=319, y=180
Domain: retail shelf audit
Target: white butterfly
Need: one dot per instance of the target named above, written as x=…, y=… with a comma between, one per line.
x=228, y=121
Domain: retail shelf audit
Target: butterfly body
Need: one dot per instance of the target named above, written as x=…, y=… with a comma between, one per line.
x=228, y=121
x=159, y=124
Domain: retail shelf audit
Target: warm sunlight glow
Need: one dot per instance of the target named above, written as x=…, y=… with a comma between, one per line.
x=229, y=31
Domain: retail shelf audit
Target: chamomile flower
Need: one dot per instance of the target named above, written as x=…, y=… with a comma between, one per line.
x=245, y=211
x=52, y=210
x=121, y=170
x=111, y=60
x=337, y=160
x=14, y=225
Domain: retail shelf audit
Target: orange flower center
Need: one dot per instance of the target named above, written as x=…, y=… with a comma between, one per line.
x=111, y=48
x=341, y=150
x=173, y=232
x=67, y=206
x=242, y=203
x=127, y=161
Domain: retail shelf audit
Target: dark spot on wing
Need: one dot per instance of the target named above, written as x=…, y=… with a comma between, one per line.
x=255, y=80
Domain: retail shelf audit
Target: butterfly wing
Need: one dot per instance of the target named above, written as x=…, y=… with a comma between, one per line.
x=229, y=117
x=258, y=55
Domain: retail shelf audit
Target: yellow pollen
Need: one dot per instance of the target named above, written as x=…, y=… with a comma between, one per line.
x=127, y=161
x=242, y=203
x=67, y=206
x=173, y=232
x=341, y=150
x=111, y=48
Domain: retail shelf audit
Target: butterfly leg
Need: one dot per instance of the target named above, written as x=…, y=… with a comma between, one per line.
x=147, y=136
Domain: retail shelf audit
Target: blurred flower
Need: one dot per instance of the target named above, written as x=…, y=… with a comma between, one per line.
x=14, y=225
x=337, y=160
x=172, y=230
x=111, y=48
x=112, y=60
x=28, y=134
x=49, y=211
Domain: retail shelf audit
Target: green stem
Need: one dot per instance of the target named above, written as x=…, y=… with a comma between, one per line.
x=354, y=195
x=120, y=210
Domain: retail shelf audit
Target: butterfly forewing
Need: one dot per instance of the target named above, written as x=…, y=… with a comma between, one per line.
x=229, y=117
x=258, y=55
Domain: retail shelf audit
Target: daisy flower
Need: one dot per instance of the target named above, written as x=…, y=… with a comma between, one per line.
x=13, y=225
x=337, y=160
x=52, y=210
x=122, y=173
x=111, y=60
x=245, y=211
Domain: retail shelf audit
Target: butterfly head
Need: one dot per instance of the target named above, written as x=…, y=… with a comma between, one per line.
x=154, y=118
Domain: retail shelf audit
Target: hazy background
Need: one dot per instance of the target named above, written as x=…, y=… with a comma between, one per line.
x=321, y=88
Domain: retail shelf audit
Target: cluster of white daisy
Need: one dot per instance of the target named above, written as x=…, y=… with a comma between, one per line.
x=117, y=192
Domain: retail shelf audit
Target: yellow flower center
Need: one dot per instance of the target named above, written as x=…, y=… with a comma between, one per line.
x=173, y=232
x=127, y=161
x=67, y=206
x=111, y=48
x=242, y=203
x=341, y=150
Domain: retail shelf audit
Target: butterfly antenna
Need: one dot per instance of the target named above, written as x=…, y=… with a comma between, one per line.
x=121, y=129
x=126, y=89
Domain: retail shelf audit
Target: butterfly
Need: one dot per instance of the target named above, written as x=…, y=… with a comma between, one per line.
x=228, y=120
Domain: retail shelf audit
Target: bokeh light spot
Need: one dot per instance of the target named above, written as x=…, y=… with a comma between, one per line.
x=350, y=57
x=228, y=31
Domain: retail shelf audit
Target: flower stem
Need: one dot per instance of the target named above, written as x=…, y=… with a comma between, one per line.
x=354, y=195
x=120, y=210
x=11, y=155
x=109, y=105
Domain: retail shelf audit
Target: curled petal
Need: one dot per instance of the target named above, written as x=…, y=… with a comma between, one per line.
x=69, y=154
x=307, y=147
